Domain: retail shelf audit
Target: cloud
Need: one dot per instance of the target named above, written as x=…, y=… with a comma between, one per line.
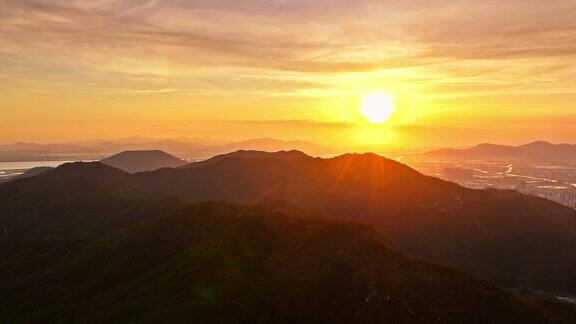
x=297, y=47
x=303, y=123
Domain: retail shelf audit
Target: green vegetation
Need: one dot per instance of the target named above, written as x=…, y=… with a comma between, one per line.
x=503, y=236
x=215, y=262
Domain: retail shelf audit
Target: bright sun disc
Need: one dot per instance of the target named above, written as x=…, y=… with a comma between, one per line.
x=377, y=107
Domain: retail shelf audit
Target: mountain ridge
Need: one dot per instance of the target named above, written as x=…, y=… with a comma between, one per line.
x=92, y=150
x=249, y=154
x=539, y=150
x=502, y=236
x=434, y=219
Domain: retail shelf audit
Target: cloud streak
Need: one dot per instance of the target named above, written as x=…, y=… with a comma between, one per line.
x=297, y=49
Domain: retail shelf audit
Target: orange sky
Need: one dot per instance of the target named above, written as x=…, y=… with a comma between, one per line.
x=461, y=72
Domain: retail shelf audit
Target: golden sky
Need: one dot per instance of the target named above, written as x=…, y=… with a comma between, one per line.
x=460, y=72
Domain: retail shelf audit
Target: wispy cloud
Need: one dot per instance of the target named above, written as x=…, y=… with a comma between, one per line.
x=276, y=48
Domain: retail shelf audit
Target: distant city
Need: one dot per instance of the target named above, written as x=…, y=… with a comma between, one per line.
x=555, y=181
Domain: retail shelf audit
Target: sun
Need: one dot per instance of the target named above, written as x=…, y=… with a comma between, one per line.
x=377, y=107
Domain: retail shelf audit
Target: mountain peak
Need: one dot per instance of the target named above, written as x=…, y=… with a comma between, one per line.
x=536, y=151
x=251, y=155
x=367, y=157
x=128, y=152
x=85, y=170
x=143, y=160
x=486, y=145
x=361, y=155
x=538, y=144
x=282, y=153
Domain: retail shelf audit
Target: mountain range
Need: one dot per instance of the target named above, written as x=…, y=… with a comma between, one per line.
x=89, y=242
x=95, y=150
x=503, y=236
x=140, y=161
x=536, y=151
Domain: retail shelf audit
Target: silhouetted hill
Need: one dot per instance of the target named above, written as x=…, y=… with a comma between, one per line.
x=286, y=155
x=140, y=161
x=27, y=174
x=503, y=236
x=539, y=151
x=168, y=261
x=273, y=145
x=72, y=181
x=96, y=171
x=32, y=172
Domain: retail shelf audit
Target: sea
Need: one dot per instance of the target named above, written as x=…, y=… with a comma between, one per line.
x=11, y=169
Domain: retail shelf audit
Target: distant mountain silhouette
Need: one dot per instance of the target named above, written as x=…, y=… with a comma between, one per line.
x=43, y=148
x=539, y=151
x=244, y=154
x=140, y=161
x=170, y=146
x=273, y=145
x=116, y=260
x=21, y=151
x=91, y=150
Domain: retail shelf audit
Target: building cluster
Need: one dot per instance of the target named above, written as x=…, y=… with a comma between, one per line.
x=458, y=174
x=566, y=197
